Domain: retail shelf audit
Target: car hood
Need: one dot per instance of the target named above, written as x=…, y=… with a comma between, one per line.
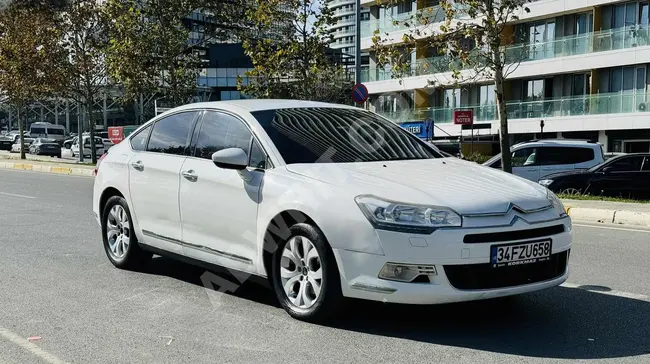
x=463, y=186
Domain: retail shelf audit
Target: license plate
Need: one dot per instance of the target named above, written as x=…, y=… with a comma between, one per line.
x=509, y=255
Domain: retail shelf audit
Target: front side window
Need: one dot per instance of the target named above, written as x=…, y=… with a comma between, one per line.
x=524, y=157
x=551, y=156
x=139, y=140
x=257, y=156
x=220, y=131
x=337, y=135
x=170, y=134
x=38, y=130
x=627, y=164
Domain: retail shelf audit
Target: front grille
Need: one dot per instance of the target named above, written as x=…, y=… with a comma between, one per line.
x=513, y=235
x=484, y=276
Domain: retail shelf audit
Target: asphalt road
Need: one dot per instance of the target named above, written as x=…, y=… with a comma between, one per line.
x=56, y=283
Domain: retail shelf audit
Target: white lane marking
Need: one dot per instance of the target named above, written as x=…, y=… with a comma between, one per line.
x=15, y=195
x=31, y=347
x=613, y=228
x=635, y=296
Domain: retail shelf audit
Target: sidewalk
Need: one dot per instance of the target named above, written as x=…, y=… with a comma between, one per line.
x=621, y=213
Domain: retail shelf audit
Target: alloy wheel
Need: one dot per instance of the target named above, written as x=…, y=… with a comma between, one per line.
x=301, y=272
x=118, y=231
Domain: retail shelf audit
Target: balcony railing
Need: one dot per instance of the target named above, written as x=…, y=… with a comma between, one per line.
x=426, y=16
x=606, y=40
x=605, y=103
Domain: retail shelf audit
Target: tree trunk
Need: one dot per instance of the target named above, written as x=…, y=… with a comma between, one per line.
x=21, y=128
x=91, y=129
x=504, y=136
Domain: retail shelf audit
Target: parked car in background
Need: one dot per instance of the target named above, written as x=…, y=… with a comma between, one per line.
x=99, y=146
x=44, y=146
x=537, y=159
x=279, y=190
x=7, y=141
x=67, y=144
x=15, y=148
x=47, y=130
x=625, y=176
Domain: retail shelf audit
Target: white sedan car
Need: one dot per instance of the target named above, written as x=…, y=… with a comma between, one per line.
x=325, y=201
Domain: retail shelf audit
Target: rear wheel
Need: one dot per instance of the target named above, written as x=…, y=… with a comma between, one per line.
x=120, y=241
x=305, y=275
x=571, y=191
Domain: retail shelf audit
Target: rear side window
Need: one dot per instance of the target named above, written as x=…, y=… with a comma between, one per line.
x=38, y=130
x=55, y=131
x=565, y=155
x=170, y=135
x=627, y=164
x=139, y=140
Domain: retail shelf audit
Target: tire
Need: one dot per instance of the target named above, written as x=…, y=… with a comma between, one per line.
x=322, y=305
x=132, y=256
x=67, y=146
x=71, y=153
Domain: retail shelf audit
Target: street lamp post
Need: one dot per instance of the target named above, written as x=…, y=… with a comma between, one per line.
x=357, y=52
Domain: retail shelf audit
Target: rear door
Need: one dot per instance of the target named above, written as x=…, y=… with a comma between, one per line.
x=642, y=183
x=619, y=179
x=555, y=159
x=524, y=163
x=154, y=174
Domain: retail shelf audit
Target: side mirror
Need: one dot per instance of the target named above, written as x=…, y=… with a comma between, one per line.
x=231, y=158
x=607, y=169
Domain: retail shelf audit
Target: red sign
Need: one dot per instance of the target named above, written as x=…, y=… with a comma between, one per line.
x=116, y=134
x=464, y=117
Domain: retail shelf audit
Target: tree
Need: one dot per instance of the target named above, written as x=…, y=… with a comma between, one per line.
x=151, y=50
x=30, y=59
x=85, y=40
x=471, y=36
x=290, y=52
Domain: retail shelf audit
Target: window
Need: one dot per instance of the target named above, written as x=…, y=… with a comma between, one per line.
x=37, y=130
x=170, y=134
x=550, y=156
x=627, y=164
x=139, y=140
x=646, y=165
x=257, y=157
x=55, y=131
x=333, y=135
x=220, y=131
x=524, y=157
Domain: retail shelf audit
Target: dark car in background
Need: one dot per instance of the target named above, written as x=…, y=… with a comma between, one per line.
x=625, y=176
x=42, y=146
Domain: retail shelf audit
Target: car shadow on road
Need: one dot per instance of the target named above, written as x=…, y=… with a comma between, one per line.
x=561, y=323
x=247, y=289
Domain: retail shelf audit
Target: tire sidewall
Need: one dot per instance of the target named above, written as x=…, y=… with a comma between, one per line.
x=133, y=240
x=330, y=286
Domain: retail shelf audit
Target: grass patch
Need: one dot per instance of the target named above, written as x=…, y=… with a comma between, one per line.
x=565, y=196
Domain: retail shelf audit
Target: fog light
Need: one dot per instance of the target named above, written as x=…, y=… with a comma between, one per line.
x=405, y=272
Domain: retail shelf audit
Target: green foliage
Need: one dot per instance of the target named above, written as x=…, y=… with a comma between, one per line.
x=477, y=157
x=290, y=54
x=469, y=35
x=30, y=59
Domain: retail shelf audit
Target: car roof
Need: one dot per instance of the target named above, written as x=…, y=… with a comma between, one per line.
x=260, y=104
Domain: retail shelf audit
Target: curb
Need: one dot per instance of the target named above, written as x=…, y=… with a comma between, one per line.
x=603, y=216
x=71, y=171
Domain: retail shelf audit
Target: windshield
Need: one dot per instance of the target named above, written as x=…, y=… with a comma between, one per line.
x=337, y=135
x=596, y=167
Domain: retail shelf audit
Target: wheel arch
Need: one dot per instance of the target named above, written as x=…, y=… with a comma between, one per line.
x=278, y=230
x=107, y=194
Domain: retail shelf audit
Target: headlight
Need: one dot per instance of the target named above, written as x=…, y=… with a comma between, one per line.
x=556, y=203
x=546, y=182
x=395, y=216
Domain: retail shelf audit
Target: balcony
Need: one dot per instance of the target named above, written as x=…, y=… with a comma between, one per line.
x=402, y=21
x=598, y=104
x=606, y=40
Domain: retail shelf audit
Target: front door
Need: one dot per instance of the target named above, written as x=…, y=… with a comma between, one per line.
x=154, y=174
x=524, y=163
x=219, y=206
x=618, y=178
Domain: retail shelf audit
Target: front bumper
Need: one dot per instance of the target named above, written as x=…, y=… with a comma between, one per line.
x=463, y=269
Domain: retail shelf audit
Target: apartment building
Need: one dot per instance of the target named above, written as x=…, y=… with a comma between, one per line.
x=345, y=30
x=584, y=73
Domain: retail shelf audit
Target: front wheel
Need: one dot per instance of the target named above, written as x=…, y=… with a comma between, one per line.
x=305, y=275
x=120, y=241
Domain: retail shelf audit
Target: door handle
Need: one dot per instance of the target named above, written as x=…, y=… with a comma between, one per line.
x=190, y=175
x=138, y=166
